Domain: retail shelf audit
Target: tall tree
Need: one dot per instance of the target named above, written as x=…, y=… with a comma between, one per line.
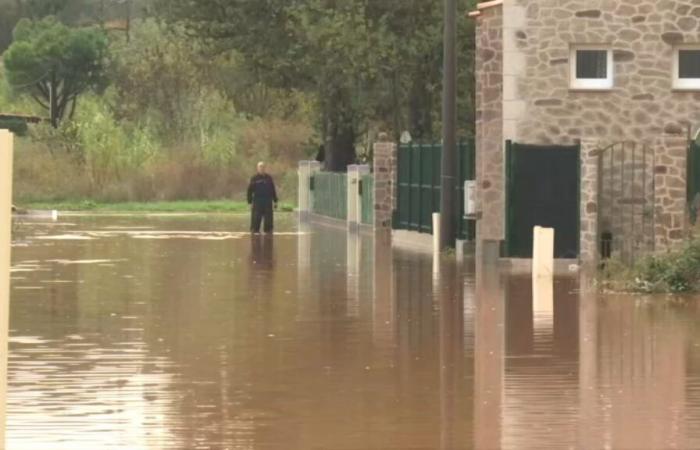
x=367, y=62
x=38, y=9
x=54, y=64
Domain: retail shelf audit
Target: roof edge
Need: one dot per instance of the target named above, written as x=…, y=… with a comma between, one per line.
x=490, y=4
x=484, y=5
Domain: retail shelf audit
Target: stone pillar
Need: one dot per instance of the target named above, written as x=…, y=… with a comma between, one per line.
x=385, y=172
x=6, y=151
x=670, y=192
x=490, y=168
x=588, y=239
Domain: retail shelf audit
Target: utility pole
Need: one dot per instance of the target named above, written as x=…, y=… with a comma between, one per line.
x=449, y=124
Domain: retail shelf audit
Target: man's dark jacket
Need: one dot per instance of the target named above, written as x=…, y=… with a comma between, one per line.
x=261, y=190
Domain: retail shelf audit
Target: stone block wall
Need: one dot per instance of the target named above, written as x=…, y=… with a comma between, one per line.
x=589, y=201
x=642, y=104
x=670, y=195
x=490, y=144
x=538, y=106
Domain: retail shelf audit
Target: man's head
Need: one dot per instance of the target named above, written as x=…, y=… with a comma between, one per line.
x=261, y=167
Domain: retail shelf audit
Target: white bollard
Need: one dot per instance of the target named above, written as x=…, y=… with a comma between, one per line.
x=436, y=233
x=543, y=278
x=543, y=252
x=6, y=150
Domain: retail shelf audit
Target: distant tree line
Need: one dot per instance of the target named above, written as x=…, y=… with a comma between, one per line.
x=70, y=12
x=354, y=67
x=370, y=64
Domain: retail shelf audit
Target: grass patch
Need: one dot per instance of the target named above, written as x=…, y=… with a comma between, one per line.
x=194, y=206
x=675, y=272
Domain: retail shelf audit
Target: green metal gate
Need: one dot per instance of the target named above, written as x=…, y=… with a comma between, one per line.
x=418, y=192
x=330, y=194
x=694, y=180
x=542, y=188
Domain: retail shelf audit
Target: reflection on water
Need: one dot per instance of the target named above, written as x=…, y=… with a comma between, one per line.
x=203, y=337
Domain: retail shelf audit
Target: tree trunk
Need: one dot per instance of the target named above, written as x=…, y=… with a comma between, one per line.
x=341, y=146
x=53, y=102
x=420, y=110
x=339, y=133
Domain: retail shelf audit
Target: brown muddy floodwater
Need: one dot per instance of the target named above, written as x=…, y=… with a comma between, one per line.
x=184, y=333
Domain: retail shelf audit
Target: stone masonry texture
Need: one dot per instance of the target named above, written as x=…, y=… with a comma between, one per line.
x=489, y=127
x=539, y=107
x=384, y=185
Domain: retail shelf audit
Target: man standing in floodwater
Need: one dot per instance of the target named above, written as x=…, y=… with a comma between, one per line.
x=262, y=196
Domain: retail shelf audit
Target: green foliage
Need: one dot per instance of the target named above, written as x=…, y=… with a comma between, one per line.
x=39, y=9
x=368, y=64
x=55, y=64
x=675, y=272
x=110, y=149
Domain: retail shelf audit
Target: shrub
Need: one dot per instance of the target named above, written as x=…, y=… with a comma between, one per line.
x=674, y=272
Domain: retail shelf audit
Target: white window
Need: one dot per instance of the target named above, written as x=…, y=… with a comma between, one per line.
x=591, y=68
x=686, y=67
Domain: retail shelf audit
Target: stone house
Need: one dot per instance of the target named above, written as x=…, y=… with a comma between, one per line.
x=584, y=113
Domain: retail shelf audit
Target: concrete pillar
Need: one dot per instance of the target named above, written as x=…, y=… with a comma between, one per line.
x=303, y=191
x=305, y=197
x=353, y=187
x=6, y=151
x=354, y=203
x=385, y=172
x=314, y=168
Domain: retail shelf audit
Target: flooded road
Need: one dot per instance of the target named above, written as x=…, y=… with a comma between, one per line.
x=186, y=333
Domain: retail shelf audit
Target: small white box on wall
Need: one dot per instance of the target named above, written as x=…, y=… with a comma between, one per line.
x=470, y=197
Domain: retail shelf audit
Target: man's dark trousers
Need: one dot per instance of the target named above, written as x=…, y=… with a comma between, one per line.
x=261, y=210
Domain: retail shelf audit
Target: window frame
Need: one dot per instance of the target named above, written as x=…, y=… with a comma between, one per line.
x=591, y=84
x=683, y=84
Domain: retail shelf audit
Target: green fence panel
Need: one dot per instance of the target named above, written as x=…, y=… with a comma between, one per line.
x=403, y=193
x=418, y=179
x=330, y=195
x=367, y=199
